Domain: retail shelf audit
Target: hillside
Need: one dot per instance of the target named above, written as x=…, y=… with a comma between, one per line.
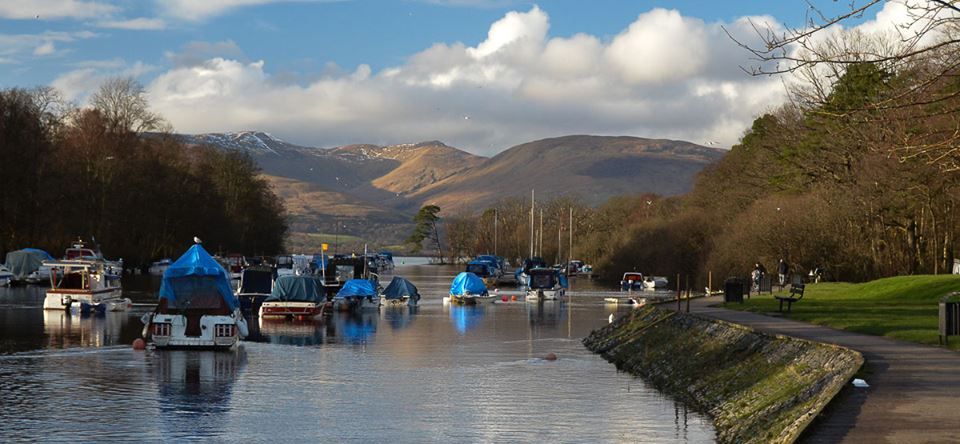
x=594, y=168
x=375, y=190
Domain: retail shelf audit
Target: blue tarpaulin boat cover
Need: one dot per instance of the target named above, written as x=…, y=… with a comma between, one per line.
x=297, y=289
x=357, y=288
x=400, y=288
x=196, y=275
x=468, y=283
x=25, y=261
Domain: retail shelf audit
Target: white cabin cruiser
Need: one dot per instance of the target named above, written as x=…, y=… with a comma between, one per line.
x=83, y=285
x=546, y=284
x=197, y=308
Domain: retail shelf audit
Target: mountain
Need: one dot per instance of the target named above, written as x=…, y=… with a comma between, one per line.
x=371, y=192
x=594, y=168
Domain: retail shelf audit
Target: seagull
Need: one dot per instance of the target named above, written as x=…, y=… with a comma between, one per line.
x=611, y=318
x=197, y=240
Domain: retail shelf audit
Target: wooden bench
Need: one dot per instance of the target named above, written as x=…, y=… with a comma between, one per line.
x=796, y=293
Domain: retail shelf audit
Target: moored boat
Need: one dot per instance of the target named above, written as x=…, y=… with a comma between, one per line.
x=631, y=281
x=468, y=289
x=83, y=285
x=27, y=265
x=256, y=284
x=400, y=292
x=546, y=284
x=485, y=270
x=655, y=282
x=197, y=308
x=295, y=297
x=5, y=276
x=357, y=294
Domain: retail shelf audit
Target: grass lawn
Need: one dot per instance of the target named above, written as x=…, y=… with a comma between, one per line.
x=903, y=307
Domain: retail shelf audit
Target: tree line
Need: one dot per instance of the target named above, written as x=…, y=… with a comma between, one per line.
x=855, y=175
x=69, y=172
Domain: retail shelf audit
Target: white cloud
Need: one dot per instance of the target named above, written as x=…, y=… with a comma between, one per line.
x=54, y=9
x=43, y=44
x=137, y=24
x=198, y=10
x=660, y=45
x=79, y=84
x=46, y=48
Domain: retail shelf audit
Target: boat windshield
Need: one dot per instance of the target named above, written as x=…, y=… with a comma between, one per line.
x=542, y=280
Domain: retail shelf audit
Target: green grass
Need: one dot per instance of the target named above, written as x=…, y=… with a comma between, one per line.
x=904, y=307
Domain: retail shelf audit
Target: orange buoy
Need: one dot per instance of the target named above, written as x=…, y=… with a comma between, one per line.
x=514, y=297
x=550, y=357
x=139, y=344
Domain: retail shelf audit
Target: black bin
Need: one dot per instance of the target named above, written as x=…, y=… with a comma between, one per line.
x=733, y=290
x=949, y=317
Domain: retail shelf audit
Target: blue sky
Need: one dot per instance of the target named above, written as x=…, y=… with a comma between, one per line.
x=479, y=74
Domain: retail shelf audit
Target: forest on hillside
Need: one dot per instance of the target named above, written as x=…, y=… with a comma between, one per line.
x=69, y=172
x=857, y=174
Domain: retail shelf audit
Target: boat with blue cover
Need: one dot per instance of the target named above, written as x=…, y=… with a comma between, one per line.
x=197, y=307
x=546, y=284
x=295, y=297
x=468, y=289
x=485, y=270
x=400, y=292
x=357, y=294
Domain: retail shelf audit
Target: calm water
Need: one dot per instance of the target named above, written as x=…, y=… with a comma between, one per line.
x=436, y=373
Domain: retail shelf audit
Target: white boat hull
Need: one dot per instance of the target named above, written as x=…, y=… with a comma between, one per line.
x=288, y=309
x=545, y=295
x=108, y=299
x=216, y=331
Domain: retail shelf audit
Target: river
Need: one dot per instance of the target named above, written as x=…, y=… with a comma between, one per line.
x=434, y=373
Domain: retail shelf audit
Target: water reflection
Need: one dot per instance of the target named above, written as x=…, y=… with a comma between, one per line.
x=465, y=317
x=398, y=317
x=194, y=390
x=65, y=330
x=288, y=332
x=546, y=313
x=355, y=327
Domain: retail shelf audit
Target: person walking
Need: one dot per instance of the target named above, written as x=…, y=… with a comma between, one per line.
x=756, y=275
x=782, y=270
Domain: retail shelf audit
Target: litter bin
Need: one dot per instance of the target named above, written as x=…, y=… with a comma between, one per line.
x=949, y=316
x=733, y=290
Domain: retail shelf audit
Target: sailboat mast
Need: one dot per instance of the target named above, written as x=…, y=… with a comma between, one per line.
x=540, y=247
x=532, y=204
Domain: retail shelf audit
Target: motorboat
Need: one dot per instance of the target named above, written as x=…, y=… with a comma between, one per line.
x=400, y=293
x=485, y=270
x=546, y=284
x=157, y=268
x=357, y=294
x=522, y=274
x=498, y=263
x=284, y=265
x=468, y=289
x=197, y=307
x=385, y=259
x=654, y=282
x=295, y=297
x=256, y=284
x=339, y=270
x=631, y=281
x=27, y=266
x=5, y=276
x=84, y=286
x=81, y=251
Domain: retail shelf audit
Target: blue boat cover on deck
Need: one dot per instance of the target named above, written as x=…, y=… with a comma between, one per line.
x=400, y=288
x=297, y=289
x=26, y=261
x=196, y=274
x=468, y=283
x=357, y=288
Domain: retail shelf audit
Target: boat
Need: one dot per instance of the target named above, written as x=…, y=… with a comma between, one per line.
x=256, y=284
x=284, y=265
x=84, y=286
x=26, y=265
x=295, y=297
x=234, y=265
x=80, y=251
x=546, y=284
x=468, y=289
x=386, y=261
x=522, y=273
x=498, y=263
x=357, y=294
x=400, y=293
x=485, y=270
x=5, y=276
x=157, y=268
x=197, y=308
x=655, y=282
x=631, y=281
x=339, y=270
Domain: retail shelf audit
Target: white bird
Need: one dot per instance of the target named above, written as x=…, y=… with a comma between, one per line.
x=197, y=240
x=611, y=318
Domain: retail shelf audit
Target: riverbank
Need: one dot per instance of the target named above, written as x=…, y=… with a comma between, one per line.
x=756, y=387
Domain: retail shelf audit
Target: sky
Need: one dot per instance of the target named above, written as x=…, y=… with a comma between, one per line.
x=480, y=75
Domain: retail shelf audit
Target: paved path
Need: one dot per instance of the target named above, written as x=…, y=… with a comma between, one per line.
x=914, y=394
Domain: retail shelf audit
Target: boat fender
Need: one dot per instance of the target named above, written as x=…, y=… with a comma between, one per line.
x=242, y=328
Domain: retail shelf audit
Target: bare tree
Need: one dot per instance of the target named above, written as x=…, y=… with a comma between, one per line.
x=123, y=102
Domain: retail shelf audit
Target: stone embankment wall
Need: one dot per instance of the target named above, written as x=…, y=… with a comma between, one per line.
x=756, y=387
